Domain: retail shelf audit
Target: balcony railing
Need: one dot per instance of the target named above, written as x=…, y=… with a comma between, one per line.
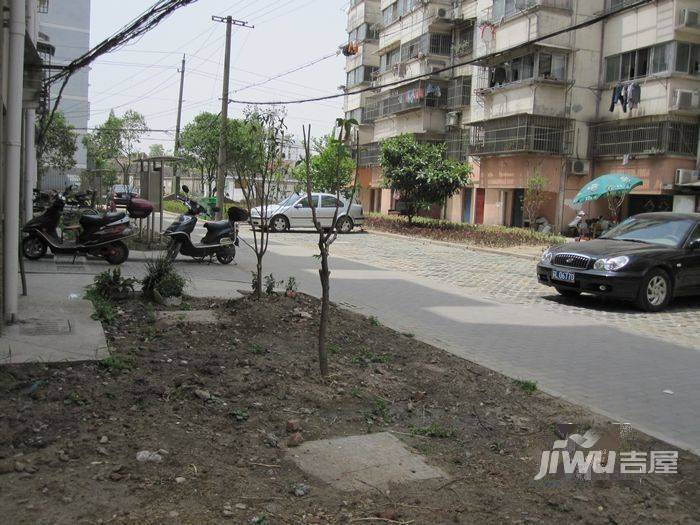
x=523, y=133
x=645, y=136
x=369, y=155
x=459, y=92
x=502, y=10
x=420, y=94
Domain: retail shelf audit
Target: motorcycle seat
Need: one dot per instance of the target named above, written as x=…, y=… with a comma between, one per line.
x=101, y=220
x=218, y=226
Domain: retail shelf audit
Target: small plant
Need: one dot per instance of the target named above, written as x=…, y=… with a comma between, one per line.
x=374, y=321
x=257, y=349
x=356, y=391
x=333, y=349
x=270, y=284
x=497, y=446
x=434, y=430
x=150, y=314
x=73, y=398
x=112, y=286
x=290, y=289
x=379, y=412
x=526, y=386
x=367, y=357
x=410, y=335
x=162, y=278
x=116, y=363
x=239, y=415
x=104, y=311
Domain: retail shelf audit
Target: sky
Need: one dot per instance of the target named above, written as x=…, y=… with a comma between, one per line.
x=143, y=76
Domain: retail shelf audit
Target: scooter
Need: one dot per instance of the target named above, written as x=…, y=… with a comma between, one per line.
x=221, y=238
x=101, y=235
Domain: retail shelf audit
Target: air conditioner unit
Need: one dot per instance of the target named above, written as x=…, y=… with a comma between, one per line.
x=690, y=18
x=685, y=99
x=452, y=120
x=684, y=177
x=579, y=167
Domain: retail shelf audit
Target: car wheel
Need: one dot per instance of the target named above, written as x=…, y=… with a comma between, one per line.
x=279, y=223
x=564, y=292
x=344, y=225
x=655, y=291
x=34, y=247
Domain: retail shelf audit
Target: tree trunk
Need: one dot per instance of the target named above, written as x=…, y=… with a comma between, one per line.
x=325, y=274
x=259, y=277
x=125, y=178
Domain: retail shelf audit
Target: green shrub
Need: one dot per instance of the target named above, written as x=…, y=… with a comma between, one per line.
x=161, y=276
x=112, y=286
x=104, y=311
x=526, y=385
x=476, y=234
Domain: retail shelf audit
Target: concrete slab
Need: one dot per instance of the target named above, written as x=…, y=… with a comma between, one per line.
x=362, y=463
x=164, y=319
x=53, y=331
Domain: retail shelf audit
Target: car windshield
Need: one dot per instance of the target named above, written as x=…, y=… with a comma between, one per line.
x=660, y=231
x=289, y=200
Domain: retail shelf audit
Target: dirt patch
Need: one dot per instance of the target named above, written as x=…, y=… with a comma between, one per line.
x=212, y=413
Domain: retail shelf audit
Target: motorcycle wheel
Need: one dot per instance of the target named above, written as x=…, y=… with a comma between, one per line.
x=116, y=253
x=226, y=255
x=34, y=247
x=173, y=250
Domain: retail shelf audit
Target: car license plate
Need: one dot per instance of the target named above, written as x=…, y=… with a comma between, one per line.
x=567, y=277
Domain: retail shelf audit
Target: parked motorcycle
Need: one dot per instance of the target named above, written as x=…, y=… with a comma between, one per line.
x=100, y=235
x=221, y=238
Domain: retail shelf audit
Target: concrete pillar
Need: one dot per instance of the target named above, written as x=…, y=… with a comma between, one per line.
x=14, y=157
x=30, y=167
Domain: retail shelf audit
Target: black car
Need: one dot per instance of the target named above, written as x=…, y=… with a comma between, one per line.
x=123, y=194
x=649, y=259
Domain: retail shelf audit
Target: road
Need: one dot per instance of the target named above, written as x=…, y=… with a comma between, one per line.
x=488, y=308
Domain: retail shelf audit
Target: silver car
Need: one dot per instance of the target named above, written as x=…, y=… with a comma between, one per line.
x=295, y=212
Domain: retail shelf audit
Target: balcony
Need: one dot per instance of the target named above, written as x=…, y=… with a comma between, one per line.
x=416, y=95
x=368, y=155
x=522, y=133
x=504, y=10
x=645, y=136
x=532, y=67
x=459, y=92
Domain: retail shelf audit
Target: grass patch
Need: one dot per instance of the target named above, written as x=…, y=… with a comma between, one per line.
x=367, y=357
x=257, y=349
x=116, y=363
x=526, y=386
x=476, y=234
x=435, y=430
x=104, y=311
x=333, y=349
x=374, y=321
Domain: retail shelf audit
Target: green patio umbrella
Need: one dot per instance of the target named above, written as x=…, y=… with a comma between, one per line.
x=610, y=184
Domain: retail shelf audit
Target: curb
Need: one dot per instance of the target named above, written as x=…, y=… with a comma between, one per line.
x=454, y=245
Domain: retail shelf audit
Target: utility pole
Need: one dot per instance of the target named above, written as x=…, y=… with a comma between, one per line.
x=221, y=172
x=176, y=149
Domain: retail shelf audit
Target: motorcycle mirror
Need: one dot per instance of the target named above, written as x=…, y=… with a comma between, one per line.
x=185, y=188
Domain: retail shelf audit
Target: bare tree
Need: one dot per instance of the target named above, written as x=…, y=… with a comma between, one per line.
x=255, y=154
x=327, y=234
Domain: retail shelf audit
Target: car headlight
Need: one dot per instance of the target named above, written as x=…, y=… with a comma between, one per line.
x=611, y=264
x=547, y=256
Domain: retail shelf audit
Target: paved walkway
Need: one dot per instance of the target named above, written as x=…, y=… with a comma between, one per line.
x=489, y=308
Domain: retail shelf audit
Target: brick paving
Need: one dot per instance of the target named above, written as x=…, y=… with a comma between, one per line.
x=511, y=280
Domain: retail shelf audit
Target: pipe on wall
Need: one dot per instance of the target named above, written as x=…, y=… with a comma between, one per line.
x=13, y=148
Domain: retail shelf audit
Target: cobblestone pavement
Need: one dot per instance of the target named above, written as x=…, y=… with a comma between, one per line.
x=510, y=280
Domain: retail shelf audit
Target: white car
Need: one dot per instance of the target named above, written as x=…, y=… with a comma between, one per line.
x=295, y=212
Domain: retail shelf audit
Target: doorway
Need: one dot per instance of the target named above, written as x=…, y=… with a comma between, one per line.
x=467, y=216
x=479, y=206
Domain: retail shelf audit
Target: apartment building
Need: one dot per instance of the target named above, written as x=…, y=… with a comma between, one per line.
x=64, y=26
x=529, y=104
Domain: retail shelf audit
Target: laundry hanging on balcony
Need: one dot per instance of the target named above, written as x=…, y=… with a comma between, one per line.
x=350, y=49
x=634, y=95
x=433, y=89
x=413, y=95
x=627, y=94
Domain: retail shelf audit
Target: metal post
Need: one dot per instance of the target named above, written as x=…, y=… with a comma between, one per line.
x=30, y=166
x=14, y=157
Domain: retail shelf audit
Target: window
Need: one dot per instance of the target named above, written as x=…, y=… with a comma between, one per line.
x=522, y=68
x=364, y=32
x=688, y=58
x=661, y=60
x=642, y=66
x=695, y=236
x=552, y=66
x=328, y=201
x=305, y=202
x=359, y=75
x=389, y=59
x=410, y=49
x=440, y=44
x=397, y=10
x=612, y=68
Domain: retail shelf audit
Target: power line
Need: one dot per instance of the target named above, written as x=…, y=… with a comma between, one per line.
x=488, y=56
